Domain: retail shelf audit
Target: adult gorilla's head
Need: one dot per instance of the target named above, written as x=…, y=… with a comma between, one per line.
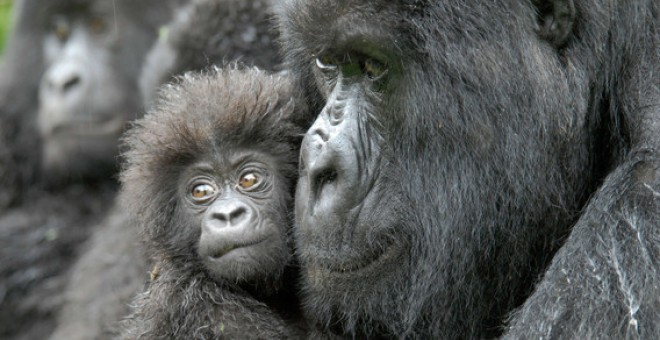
x=453, y=150
x=90, y=53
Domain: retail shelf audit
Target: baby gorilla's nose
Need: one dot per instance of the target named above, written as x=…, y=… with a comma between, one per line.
x=232, y=213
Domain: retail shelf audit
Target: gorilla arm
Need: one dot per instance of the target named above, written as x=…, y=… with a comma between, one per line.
x=608, y=267
x=607, y=270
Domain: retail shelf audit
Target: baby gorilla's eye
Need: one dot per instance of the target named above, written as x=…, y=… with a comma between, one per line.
x=248, y=181
x=374, y=69
x=202, y=193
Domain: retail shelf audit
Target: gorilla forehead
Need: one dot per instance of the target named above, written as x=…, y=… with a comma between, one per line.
x=258, y=102
x=332, y=23
x=186, y=126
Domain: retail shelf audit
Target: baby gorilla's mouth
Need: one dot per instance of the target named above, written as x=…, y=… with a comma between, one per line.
x=215, y=255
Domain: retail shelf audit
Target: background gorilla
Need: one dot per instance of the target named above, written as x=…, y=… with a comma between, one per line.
x=67, y=85
x=208, y=32
x=204, y=33
x=465, y=149
x=110, y=271
x=37, y=245
x=80, y=59
x=209, y=180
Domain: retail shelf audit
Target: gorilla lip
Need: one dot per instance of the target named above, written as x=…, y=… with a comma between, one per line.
x=217, y=254
x=374, y=259
x=110, y=126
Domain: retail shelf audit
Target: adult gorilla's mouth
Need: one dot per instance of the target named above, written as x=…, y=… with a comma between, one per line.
x=379, y=256
x=111, y=125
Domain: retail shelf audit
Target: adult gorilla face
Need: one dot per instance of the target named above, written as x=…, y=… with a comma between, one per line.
x=342, y=173
x=92, y=53
x=442, y=167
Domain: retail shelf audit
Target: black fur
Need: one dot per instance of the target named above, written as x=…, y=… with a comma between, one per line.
x=110, y=270
x=203, y=33
x=38, y=243
x=211, y=32
x=207, y=118
x=515, y=188
x=44, y=225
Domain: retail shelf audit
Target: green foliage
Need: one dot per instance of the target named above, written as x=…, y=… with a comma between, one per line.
x=5, y=21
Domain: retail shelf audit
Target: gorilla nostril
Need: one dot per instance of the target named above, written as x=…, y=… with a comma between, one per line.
x=232, y=215
x=323, y=180
x=326, y=176
x=221, y=217
x=70, y=83
x=237, y=215
x=322, y=133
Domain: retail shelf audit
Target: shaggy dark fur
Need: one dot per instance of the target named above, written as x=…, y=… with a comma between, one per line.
x=110, y=271
x=38, y=243
x=37, y=63
x=479, y=168
x=206, y=119
x=80, y=189
x=203, y=33
x=211, y=32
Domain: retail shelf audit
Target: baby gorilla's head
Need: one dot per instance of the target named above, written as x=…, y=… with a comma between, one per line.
x=210, y=173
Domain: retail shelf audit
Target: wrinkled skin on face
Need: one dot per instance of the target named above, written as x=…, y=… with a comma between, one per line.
x=453, y=151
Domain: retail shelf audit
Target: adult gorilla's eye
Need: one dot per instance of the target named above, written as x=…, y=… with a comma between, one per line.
x=61, y=29
x=374, y=69
x=248, y=181
x=325, y=63
x=202, y=193
x=97, y=25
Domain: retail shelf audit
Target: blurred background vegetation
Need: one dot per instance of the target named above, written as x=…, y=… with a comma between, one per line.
x=5, y=21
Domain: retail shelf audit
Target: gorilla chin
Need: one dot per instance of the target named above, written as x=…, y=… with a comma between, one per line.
x=66, y=156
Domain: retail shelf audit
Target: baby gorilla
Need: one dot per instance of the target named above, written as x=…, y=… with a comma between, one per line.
x=209, y=179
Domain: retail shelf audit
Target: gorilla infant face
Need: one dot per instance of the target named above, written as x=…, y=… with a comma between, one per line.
x=238, y=213
x=210, y=174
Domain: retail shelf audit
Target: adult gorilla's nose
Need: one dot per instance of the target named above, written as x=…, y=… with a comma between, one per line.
x=62, y=79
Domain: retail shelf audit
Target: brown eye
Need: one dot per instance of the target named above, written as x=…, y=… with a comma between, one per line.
x=202, y=192
x=97, y=25
x=374, y=69
x=61, y=29
x=325, y=63
x=248, y=181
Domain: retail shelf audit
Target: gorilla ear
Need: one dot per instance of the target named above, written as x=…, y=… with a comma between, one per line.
x=556, y=20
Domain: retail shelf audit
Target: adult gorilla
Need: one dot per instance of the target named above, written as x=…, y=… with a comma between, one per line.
x=67, y=86
x=112, y=269
x=466, y=148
